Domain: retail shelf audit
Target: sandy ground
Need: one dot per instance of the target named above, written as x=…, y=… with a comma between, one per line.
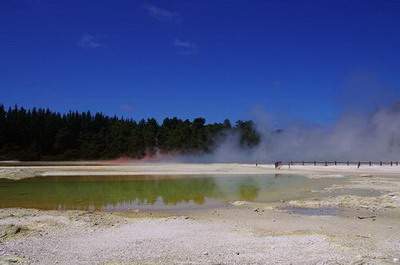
x=332, y=229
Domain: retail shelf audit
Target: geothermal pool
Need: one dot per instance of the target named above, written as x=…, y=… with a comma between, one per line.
x=119, y=193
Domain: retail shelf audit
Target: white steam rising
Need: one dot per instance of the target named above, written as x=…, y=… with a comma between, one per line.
x=373, y=137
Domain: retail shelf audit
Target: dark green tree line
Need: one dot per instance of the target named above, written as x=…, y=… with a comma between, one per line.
x=41, y=134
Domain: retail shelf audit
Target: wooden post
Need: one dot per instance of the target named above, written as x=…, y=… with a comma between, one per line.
x=315, y=163
x=391, y=163
x=381, y=163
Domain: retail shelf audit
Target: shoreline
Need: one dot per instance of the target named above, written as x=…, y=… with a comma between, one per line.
x=21, y=172
x=335, y=228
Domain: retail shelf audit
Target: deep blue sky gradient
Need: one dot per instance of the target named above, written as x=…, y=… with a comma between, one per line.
x=306, y=60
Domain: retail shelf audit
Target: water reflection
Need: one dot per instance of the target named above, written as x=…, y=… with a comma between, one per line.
x=124, y=192
x=248, y=192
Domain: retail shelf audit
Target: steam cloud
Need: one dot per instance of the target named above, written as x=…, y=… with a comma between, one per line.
x=367, y=130
x=356, y=137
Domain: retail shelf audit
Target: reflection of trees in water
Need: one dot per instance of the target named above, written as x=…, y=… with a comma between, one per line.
x=78, y=194
x=248, y=192
x=97, y=192
x=246, y=188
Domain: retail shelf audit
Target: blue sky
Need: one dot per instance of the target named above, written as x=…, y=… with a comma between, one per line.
x=305, y=60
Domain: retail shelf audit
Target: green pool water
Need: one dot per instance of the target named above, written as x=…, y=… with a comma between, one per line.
x=115, y=193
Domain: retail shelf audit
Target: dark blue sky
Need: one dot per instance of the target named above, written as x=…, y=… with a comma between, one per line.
x=307, y=60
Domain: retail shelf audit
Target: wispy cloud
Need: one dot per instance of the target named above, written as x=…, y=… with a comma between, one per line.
x=276, y=84
x=162, y=14
x=183, y=44
x=33, y=2
x=185, y=47
x=128, y=108
x=89, y=41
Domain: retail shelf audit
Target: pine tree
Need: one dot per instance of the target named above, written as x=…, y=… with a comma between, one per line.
x=40, y=134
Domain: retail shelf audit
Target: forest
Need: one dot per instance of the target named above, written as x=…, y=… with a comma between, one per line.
x=42, y=134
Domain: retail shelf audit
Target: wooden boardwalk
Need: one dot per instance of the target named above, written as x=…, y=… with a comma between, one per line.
x=337, y=163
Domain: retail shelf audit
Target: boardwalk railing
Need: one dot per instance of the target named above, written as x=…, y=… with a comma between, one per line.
x=337, y=163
